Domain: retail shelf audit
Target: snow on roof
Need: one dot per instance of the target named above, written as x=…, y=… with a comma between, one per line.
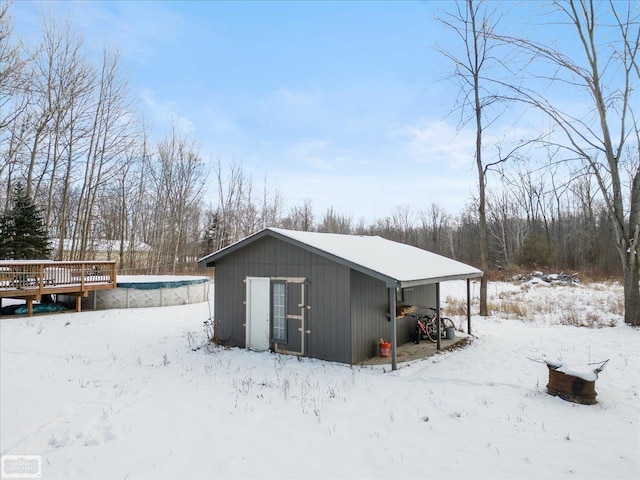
x=376, y=256
x=398, y=261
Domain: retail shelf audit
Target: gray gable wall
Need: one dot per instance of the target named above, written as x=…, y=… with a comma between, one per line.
x=328, y=292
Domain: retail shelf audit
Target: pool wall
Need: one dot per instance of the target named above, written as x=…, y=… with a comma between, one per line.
x=141, y=294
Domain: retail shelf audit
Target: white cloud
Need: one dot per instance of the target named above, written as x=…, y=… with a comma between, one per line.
x=316, y=153
x=164, y=112
x=374, y=193
x=222, y=125
x=438, y=142
x=295, y=98
x=137, y=30
x=287, y=98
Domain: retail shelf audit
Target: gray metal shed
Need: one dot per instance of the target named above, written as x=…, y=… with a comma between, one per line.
x=322, y=295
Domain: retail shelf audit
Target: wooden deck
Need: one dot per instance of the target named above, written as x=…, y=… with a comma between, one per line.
x=32, y=279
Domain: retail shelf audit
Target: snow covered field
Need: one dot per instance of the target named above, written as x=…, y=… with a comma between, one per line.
x=123, y=394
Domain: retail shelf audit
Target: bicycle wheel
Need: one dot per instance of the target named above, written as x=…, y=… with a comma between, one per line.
x=417, y=340
x=447, y=322
x=432, y=330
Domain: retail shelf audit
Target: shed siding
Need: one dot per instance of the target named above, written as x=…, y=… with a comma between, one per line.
x=329, y=319
x=369, y=320
x=327, y=294
x=421, y=296
x=229, y=312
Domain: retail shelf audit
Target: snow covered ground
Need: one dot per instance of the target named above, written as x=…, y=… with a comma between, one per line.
x=124, y=394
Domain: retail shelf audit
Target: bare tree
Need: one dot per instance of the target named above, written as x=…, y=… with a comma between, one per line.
x=75, y=78
x=506, y=225
x=109, y=140
x=240, y=210
x=475, y=27
x=300, y=217
x=178, y=176
x=12, y=71
x=56, y=64
x=14, y=97
x=334, y=222
x=605, y=139
x=271, y=206
x=68, y=132
x=140, y=210
x=230, y=186
x=435, y=221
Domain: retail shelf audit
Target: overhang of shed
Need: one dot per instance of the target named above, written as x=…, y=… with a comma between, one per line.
x=396, y=264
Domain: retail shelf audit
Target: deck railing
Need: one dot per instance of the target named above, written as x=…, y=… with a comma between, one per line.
x=27, y=277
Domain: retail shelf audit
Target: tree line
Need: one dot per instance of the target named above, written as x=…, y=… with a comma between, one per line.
x=106, y=184
x=596, y=136
x=71, y=135
x=530, y=225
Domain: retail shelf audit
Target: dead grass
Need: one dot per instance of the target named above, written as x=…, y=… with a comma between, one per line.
x=454, y=307
x=588, y=305
x=589, y=320
x=458, y=345
x=506, y=274
x=617, y=306
x=515, y=309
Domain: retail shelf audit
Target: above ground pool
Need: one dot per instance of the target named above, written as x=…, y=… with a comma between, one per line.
x=137, y=291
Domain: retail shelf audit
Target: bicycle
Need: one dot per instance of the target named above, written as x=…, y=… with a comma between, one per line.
x=427, y=326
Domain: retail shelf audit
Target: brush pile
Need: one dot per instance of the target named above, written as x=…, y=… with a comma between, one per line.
x=551, y=278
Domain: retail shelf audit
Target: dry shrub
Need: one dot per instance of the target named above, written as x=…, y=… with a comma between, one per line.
x=506, y=274
x=594, y=276
x=590, y=319
x=593, y=319
x=571, y=318
x=616, y=305
x=509, y=295
x=515, y=309
x=588, y=305
x=510, y=308
x=454, y=306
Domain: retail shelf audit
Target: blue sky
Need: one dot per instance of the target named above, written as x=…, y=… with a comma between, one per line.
x=345, y=103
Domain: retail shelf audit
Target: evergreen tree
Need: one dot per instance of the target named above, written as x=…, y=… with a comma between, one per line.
x=22, y=231
x=4, y=237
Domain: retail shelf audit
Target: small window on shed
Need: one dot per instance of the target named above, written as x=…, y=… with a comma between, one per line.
x=279, y=311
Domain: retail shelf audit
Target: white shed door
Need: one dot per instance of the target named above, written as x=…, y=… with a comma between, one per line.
x=258, y=313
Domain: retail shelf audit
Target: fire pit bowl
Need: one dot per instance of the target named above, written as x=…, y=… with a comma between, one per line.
x=571, y=384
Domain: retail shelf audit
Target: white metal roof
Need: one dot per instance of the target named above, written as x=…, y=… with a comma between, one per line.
x=404, y=263
x=393, y=262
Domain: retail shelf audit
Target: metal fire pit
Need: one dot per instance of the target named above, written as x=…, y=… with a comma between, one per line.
x=572, y=386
